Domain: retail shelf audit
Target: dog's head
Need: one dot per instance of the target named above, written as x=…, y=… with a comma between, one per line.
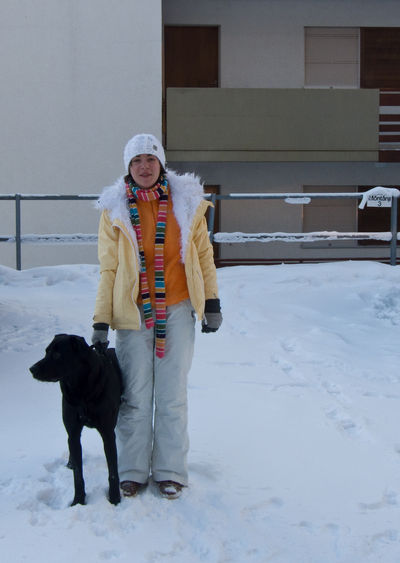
x=63, y=356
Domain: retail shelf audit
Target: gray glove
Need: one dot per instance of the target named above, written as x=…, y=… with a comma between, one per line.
x=100, y=336
x=212, y=316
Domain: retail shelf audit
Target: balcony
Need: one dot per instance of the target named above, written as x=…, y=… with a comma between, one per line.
x=389, y=126
x=261, y=125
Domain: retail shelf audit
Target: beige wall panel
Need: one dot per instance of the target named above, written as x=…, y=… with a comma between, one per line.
x=330, y=215
x=332, y=57
x=332, y=48
x=339, y=74
x=301, y=120
x=271, y=156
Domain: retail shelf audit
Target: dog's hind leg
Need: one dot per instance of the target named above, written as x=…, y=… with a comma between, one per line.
x=75, y=459
x=110, y=449
x=70, y=463
x=73, y=426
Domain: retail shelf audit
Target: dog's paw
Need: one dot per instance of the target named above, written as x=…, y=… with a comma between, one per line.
x=115, y=497
x=78, y=500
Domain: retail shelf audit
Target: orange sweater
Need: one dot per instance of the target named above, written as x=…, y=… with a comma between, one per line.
x=176, y=289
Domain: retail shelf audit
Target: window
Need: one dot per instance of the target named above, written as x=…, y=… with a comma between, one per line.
x=330, y=215
x=332, y=57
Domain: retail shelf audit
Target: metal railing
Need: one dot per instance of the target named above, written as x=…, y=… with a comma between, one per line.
x=292, y=198
x=304, y=198
x=18, y=239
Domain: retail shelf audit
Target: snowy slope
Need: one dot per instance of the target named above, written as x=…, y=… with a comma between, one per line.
x=294, y=426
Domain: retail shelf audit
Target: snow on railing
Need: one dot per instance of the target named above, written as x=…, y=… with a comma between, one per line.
x=376, y=197
x=77, y=238
x=299, y=237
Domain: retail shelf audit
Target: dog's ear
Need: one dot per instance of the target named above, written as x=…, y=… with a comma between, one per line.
x=79, y=343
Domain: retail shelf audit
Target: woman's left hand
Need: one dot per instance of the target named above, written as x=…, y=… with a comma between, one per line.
x=212, y=316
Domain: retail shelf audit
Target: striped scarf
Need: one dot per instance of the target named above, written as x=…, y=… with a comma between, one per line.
x=157, y=192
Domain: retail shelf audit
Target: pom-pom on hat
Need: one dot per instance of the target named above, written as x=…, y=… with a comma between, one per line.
x=143, y=144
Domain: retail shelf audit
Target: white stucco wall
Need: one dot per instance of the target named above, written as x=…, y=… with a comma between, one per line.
x=79, y=78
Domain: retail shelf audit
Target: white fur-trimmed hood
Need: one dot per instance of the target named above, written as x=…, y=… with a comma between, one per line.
x=186, y=192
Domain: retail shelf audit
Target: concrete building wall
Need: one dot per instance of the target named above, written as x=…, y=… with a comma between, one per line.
x=262, y=45
x=278, y=216
x=79, y=78
x=262, y=41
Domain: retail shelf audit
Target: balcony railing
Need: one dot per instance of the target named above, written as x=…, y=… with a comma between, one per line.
x=272, y=124
x=389, y=126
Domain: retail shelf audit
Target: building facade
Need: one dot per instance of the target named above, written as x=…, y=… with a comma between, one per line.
x=269, y=96
x=293, y=96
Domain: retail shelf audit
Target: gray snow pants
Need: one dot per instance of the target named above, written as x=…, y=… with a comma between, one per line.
x=152, y=437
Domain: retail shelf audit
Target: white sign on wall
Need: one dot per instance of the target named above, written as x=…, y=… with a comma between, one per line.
x=379, y=200
x=378, y=197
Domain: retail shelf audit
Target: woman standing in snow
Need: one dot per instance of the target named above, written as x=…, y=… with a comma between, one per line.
x=157, y=271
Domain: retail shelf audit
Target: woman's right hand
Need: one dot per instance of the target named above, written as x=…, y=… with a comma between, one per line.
x=100, y=336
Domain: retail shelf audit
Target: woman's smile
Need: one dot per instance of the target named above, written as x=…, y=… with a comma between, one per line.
x=145, y=170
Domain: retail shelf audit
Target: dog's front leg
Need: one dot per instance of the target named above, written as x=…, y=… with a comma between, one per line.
x=74, y=426
x=110, y=449
x=75, y=456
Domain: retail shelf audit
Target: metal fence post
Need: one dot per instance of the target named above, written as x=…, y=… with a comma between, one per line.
x=18, y=230
x=211, y=217
x=393, y=228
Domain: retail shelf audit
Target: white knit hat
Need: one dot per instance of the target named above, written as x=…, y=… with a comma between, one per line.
x=143, y=144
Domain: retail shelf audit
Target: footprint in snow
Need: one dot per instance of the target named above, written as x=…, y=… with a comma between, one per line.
x=387, y=306
x=284, y=365
x=344, y=423
x=388, y=499
x=375, y=542
x=110, y=554
x=261, y=510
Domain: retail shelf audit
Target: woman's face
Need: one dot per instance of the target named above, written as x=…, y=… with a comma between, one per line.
x=145, y=170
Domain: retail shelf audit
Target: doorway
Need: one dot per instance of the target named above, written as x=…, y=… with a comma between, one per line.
x=208, y=189
x=191, y=59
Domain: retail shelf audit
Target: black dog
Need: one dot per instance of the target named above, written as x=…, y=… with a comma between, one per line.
x=90, y=382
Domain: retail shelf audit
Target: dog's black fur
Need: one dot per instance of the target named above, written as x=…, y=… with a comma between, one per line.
x=90, y=381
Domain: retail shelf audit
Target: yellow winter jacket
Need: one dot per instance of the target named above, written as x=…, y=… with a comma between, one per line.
x=118, y=288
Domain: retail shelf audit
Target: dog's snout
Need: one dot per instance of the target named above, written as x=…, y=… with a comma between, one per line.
x=41, y=372
x=34, y=369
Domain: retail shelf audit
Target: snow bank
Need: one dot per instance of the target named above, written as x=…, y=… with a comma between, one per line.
x=294, y=426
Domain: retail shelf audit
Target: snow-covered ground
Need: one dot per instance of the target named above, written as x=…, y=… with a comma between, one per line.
x=294, y=426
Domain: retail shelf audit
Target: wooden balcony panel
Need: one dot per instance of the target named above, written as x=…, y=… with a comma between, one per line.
x=395, y=117
x=389, y=138
x=389, y=98
x=389, y=156
x=252, y=124
x=388, y=128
